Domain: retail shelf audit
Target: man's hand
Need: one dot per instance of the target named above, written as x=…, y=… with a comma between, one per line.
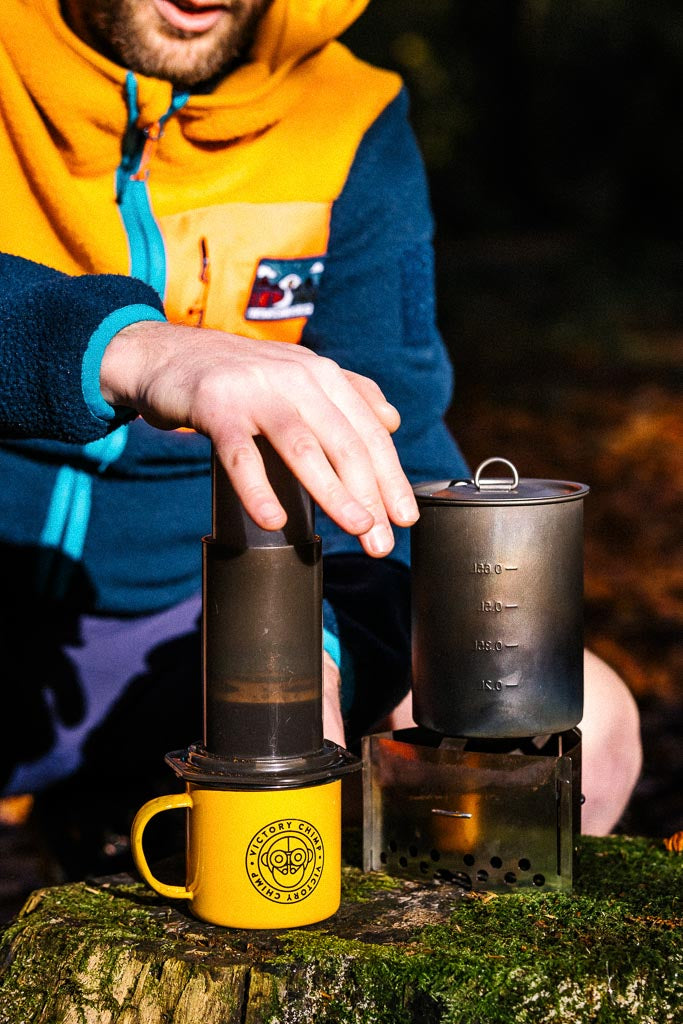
x=332, y=427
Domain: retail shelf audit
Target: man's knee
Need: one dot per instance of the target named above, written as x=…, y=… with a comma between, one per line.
x=611, y=749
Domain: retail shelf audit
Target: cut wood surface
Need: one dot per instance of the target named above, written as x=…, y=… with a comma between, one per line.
x=109, y=951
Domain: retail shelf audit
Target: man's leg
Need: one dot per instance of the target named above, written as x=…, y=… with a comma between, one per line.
x=135, y=680
x=333, y=724
x=138, y=683
x=611, y=749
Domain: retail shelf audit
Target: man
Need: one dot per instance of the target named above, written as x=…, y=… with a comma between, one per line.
x=246, y=169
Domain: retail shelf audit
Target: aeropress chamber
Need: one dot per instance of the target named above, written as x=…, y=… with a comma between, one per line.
x=263, y=789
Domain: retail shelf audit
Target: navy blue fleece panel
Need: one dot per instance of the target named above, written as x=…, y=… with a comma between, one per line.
x=46, y=321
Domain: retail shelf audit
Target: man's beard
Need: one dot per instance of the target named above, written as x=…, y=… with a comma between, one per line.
x=131, y=33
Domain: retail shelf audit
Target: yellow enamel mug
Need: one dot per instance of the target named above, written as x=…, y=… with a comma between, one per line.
x=255, y=858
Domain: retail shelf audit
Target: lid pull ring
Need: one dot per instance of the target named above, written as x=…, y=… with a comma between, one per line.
x=495, y=483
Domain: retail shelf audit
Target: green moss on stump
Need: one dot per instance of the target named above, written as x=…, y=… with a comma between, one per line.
x=396, y=953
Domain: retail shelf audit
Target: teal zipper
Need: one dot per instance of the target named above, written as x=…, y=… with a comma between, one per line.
x=145, y=242
x=68, y=514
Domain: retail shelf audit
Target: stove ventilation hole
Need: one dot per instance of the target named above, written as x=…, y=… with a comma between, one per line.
x=482, y=875
x=524, y=864
x=468, y=859
x=435, y=855
x=539, y=880
x=510, y=877
x=383, y=856
x=456, y=877
x=424, y=867
x=496, y=862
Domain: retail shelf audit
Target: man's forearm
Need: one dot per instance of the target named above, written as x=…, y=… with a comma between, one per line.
x=66, y=375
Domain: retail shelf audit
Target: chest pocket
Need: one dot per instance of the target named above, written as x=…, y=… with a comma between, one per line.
x=248, y=268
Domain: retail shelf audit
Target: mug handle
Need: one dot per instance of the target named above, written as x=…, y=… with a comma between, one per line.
x=147, y=811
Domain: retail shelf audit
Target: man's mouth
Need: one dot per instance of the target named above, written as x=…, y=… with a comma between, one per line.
x=191, y=15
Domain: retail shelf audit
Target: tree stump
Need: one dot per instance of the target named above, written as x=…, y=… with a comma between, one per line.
x=111, y=952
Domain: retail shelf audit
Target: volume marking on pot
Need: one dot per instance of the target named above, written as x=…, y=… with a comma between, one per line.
x=496, y=685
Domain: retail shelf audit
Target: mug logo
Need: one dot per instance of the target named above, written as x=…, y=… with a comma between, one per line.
x=284, y=289
x=285, y=860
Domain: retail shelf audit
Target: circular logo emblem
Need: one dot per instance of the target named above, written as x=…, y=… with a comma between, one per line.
x=285, y=860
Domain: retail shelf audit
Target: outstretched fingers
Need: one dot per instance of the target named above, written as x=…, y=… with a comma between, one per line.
x=340, y=447
x=242, y=461
x=306, y=445
x=370, y=391
x=375, y=419
x=299, y=445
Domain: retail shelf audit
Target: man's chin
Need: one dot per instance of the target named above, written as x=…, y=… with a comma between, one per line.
x=190, y=44
x=185, y=59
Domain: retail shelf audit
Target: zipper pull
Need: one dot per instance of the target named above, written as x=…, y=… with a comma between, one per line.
x=153, y=133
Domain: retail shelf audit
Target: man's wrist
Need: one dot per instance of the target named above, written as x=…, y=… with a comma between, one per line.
x=124, y=359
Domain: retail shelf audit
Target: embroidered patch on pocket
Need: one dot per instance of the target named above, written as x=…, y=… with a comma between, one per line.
x=284, y=289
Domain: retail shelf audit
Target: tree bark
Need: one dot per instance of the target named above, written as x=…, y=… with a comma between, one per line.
x=111, y=952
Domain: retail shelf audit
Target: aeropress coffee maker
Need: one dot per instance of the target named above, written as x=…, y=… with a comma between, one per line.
x=263, y=789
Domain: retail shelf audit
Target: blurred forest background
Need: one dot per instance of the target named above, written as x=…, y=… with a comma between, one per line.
x=551, y=132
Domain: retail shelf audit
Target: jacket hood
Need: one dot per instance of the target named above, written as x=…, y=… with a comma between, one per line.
x=72, y=83
x=292, y=29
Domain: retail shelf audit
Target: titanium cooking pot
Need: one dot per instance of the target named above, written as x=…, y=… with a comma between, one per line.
x=497, y=605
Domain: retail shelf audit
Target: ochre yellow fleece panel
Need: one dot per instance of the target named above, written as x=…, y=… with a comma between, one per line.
x=259, y=161
x=224, y=245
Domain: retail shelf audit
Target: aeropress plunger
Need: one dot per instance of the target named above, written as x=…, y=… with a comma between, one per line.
x=263, y=790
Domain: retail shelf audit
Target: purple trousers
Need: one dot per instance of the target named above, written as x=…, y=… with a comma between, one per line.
x=102, y=692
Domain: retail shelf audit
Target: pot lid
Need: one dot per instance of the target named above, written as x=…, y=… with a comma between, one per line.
x=486, y=489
